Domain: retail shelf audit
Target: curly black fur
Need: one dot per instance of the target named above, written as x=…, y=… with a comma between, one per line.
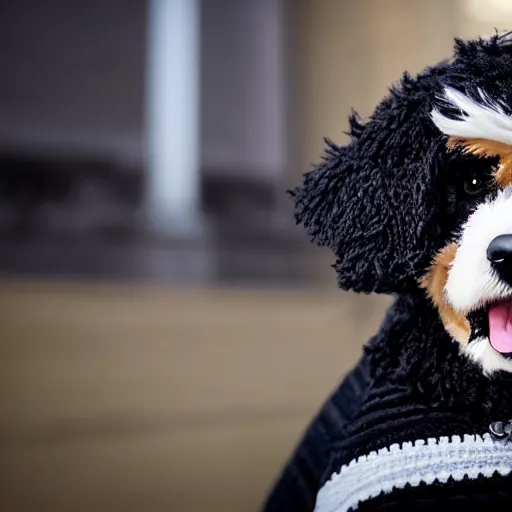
x=380, y=202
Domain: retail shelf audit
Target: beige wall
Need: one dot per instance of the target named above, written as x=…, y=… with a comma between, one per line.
x=482, y=17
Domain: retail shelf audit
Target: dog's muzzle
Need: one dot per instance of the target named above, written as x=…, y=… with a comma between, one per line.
x=481, y=272
x=479, y=283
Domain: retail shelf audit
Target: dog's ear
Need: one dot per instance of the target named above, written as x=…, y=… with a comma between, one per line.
x=373, y=201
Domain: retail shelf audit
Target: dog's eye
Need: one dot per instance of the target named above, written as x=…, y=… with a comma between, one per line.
x=474, y=185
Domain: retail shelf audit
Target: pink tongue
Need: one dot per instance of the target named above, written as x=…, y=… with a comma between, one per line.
x=500, y=327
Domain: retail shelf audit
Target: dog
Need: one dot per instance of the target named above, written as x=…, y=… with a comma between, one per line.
x=418, y=205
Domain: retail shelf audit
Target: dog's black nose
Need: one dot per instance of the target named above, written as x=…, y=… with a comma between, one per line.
x=499, y=253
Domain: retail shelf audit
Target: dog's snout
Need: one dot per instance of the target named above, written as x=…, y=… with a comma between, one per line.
x=499, y=253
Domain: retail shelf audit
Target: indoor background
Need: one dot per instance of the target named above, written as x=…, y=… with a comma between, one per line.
x=166, y=332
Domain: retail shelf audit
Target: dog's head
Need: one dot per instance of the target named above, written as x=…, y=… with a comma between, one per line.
x=420, y=199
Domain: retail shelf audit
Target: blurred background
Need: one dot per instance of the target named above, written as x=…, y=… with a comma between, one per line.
x=166, y=332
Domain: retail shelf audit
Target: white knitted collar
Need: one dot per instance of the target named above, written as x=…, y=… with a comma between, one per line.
x=412, y=463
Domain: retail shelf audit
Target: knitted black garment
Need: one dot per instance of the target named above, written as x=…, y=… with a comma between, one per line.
x=422, y=388
x=413, y=384
x=469, y=494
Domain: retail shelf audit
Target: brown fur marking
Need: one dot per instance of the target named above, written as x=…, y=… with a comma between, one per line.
x=480, y=147
x=504, y=171
x=434, y=281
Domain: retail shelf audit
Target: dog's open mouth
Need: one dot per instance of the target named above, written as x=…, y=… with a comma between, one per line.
x=499, y=316
x=494, y=321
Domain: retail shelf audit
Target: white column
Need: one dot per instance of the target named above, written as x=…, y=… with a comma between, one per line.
x=173, y=97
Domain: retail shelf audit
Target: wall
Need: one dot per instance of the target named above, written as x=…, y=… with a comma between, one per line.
x=72, y=72
x=483, y=17
x=244, y=81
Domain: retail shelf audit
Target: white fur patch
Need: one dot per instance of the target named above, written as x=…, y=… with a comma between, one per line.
x=480, y=351
x=471, y=281
x=481, y=118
